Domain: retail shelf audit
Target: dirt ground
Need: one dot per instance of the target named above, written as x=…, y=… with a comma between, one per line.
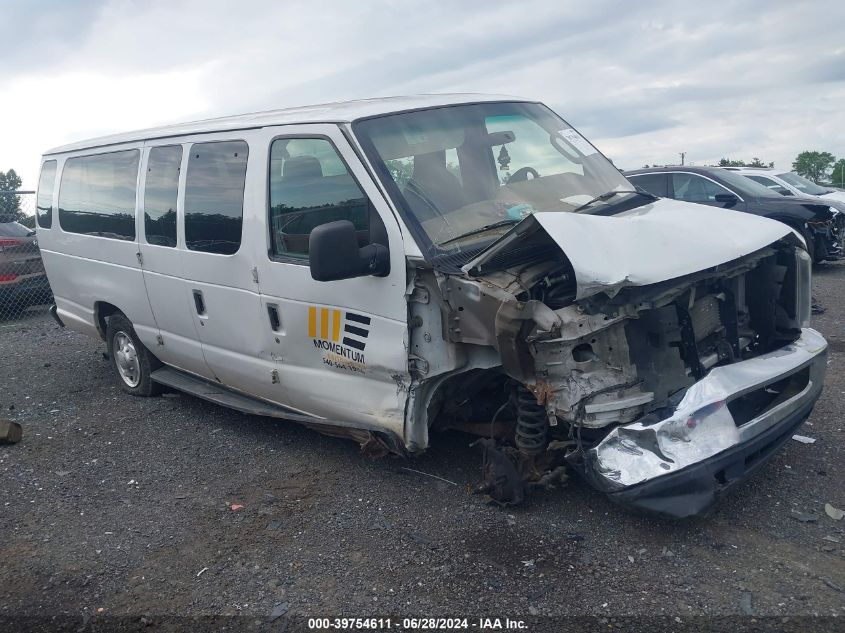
x=120, y=506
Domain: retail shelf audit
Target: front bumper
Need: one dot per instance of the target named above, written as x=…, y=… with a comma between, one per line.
x=728, y=423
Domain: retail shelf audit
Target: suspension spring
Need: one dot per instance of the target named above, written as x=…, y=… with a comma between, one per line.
x=531, y=423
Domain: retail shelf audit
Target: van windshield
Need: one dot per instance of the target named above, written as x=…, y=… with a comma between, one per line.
x=457, y=169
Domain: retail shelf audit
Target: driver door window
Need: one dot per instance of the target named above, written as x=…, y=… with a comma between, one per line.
x=693, y=188
x=310, y=185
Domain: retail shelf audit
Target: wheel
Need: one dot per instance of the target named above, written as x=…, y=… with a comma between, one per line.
x=133, y=364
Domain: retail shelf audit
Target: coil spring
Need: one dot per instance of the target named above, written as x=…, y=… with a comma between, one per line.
x=531, y=423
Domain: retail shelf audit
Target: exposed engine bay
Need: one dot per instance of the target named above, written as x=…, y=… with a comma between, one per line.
x=575, y=363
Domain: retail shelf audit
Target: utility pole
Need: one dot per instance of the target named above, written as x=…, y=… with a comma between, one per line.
x=682, y=155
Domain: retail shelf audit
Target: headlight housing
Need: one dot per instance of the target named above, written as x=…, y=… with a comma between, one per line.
x=803, y=287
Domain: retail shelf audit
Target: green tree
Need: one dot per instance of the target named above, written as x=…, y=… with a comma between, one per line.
x=401, y=170
x=10, y=205
x=837, y=177
x=756, y=162
x=727, y=162
x=813, y=165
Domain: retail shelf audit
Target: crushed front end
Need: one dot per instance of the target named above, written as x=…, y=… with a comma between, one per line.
x=662, y=391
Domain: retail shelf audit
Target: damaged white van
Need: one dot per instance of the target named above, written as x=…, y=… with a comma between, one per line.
x=387, y=268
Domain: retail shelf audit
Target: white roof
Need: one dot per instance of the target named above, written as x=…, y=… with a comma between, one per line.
x=340, y=112
x=760, y=170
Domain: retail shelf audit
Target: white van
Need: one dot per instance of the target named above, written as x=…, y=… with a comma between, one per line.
x=384, y=268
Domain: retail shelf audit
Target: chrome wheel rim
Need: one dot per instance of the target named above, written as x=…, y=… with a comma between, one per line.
x=126, y=359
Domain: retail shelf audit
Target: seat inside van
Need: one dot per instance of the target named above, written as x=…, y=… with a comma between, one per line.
x=304, y=198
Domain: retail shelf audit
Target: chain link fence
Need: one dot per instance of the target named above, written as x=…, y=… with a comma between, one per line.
x=24, y=289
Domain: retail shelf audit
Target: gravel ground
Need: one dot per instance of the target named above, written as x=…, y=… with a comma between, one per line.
x=121, y=506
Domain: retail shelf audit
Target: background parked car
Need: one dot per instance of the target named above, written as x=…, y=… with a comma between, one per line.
x=22, y=278
x=789, y=183
x=718, y=187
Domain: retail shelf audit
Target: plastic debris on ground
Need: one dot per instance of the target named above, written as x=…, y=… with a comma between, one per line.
x=834, y=513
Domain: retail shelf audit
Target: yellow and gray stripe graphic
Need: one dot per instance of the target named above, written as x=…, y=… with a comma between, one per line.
x=325, y=323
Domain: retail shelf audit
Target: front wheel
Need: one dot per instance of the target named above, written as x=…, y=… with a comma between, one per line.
x=132, y=362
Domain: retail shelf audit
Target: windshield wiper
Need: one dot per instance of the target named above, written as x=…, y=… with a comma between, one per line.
x=481, y=229
x=611, y=194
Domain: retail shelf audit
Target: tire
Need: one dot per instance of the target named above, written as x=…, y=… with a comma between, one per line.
x=133, y=363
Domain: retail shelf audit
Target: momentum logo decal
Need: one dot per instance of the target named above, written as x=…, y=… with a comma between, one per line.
x=342, y=336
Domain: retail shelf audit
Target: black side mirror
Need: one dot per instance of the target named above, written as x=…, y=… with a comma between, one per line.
x=726, y=198
x=333, y=253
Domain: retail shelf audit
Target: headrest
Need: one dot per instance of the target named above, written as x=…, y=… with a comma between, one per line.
x=428, y=163
x=300, y=167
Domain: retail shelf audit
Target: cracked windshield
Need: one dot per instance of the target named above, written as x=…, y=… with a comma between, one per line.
x=466, y=173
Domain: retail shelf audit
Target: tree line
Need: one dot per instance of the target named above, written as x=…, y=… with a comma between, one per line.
x=820, y=167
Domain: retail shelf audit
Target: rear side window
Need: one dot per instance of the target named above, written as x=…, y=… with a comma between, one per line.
x=44, y=203
x=658, y=184
x=160, y=191
x=214, y=196
x=309, y=186
x=97, y=195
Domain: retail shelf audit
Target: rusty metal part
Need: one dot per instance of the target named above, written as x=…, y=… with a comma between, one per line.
x=501, y=481
x=532, y=423
x=508, y=475
x=374, y=445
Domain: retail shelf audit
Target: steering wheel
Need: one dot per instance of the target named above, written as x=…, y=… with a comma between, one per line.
x=521, y=174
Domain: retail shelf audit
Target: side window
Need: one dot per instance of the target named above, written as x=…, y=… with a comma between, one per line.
x=694, y=188
x=771, y=184
x=97, y=194
x=44, y=203
x=160, y=191
x=658, y=184
x=214, y=196
x=309, y=186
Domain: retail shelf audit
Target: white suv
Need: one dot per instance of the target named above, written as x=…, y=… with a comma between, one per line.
x=788, y=183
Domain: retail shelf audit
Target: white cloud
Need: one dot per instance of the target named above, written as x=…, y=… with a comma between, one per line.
x=46, y=111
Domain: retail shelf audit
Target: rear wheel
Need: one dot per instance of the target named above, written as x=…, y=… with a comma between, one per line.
x=132, y=362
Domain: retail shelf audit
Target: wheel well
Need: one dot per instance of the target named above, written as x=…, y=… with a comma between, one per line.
x=102, y=311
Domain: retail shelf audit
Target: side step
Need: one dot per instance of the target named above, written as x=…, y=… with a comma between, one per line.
x=218, y=394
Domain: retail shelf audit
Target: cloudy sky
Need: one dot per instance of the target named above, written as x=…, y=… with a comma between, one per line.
x=643, y=80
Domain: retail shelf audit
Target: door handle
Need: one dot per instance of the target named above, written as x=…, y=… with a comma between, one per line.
x=273, y=315
x=199, y=302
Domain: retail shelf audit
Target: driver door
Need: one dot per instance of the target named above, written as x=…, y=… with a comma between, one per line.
x=339, y=347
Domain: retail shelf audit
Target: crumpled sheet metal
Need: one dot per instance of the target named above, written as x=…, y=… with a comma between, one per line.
x=702, y=425
x=663, y=240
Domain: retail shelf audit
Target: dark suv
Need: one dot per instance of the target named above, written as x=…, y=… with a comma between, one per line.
x=714, y=186
x=22, y=278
